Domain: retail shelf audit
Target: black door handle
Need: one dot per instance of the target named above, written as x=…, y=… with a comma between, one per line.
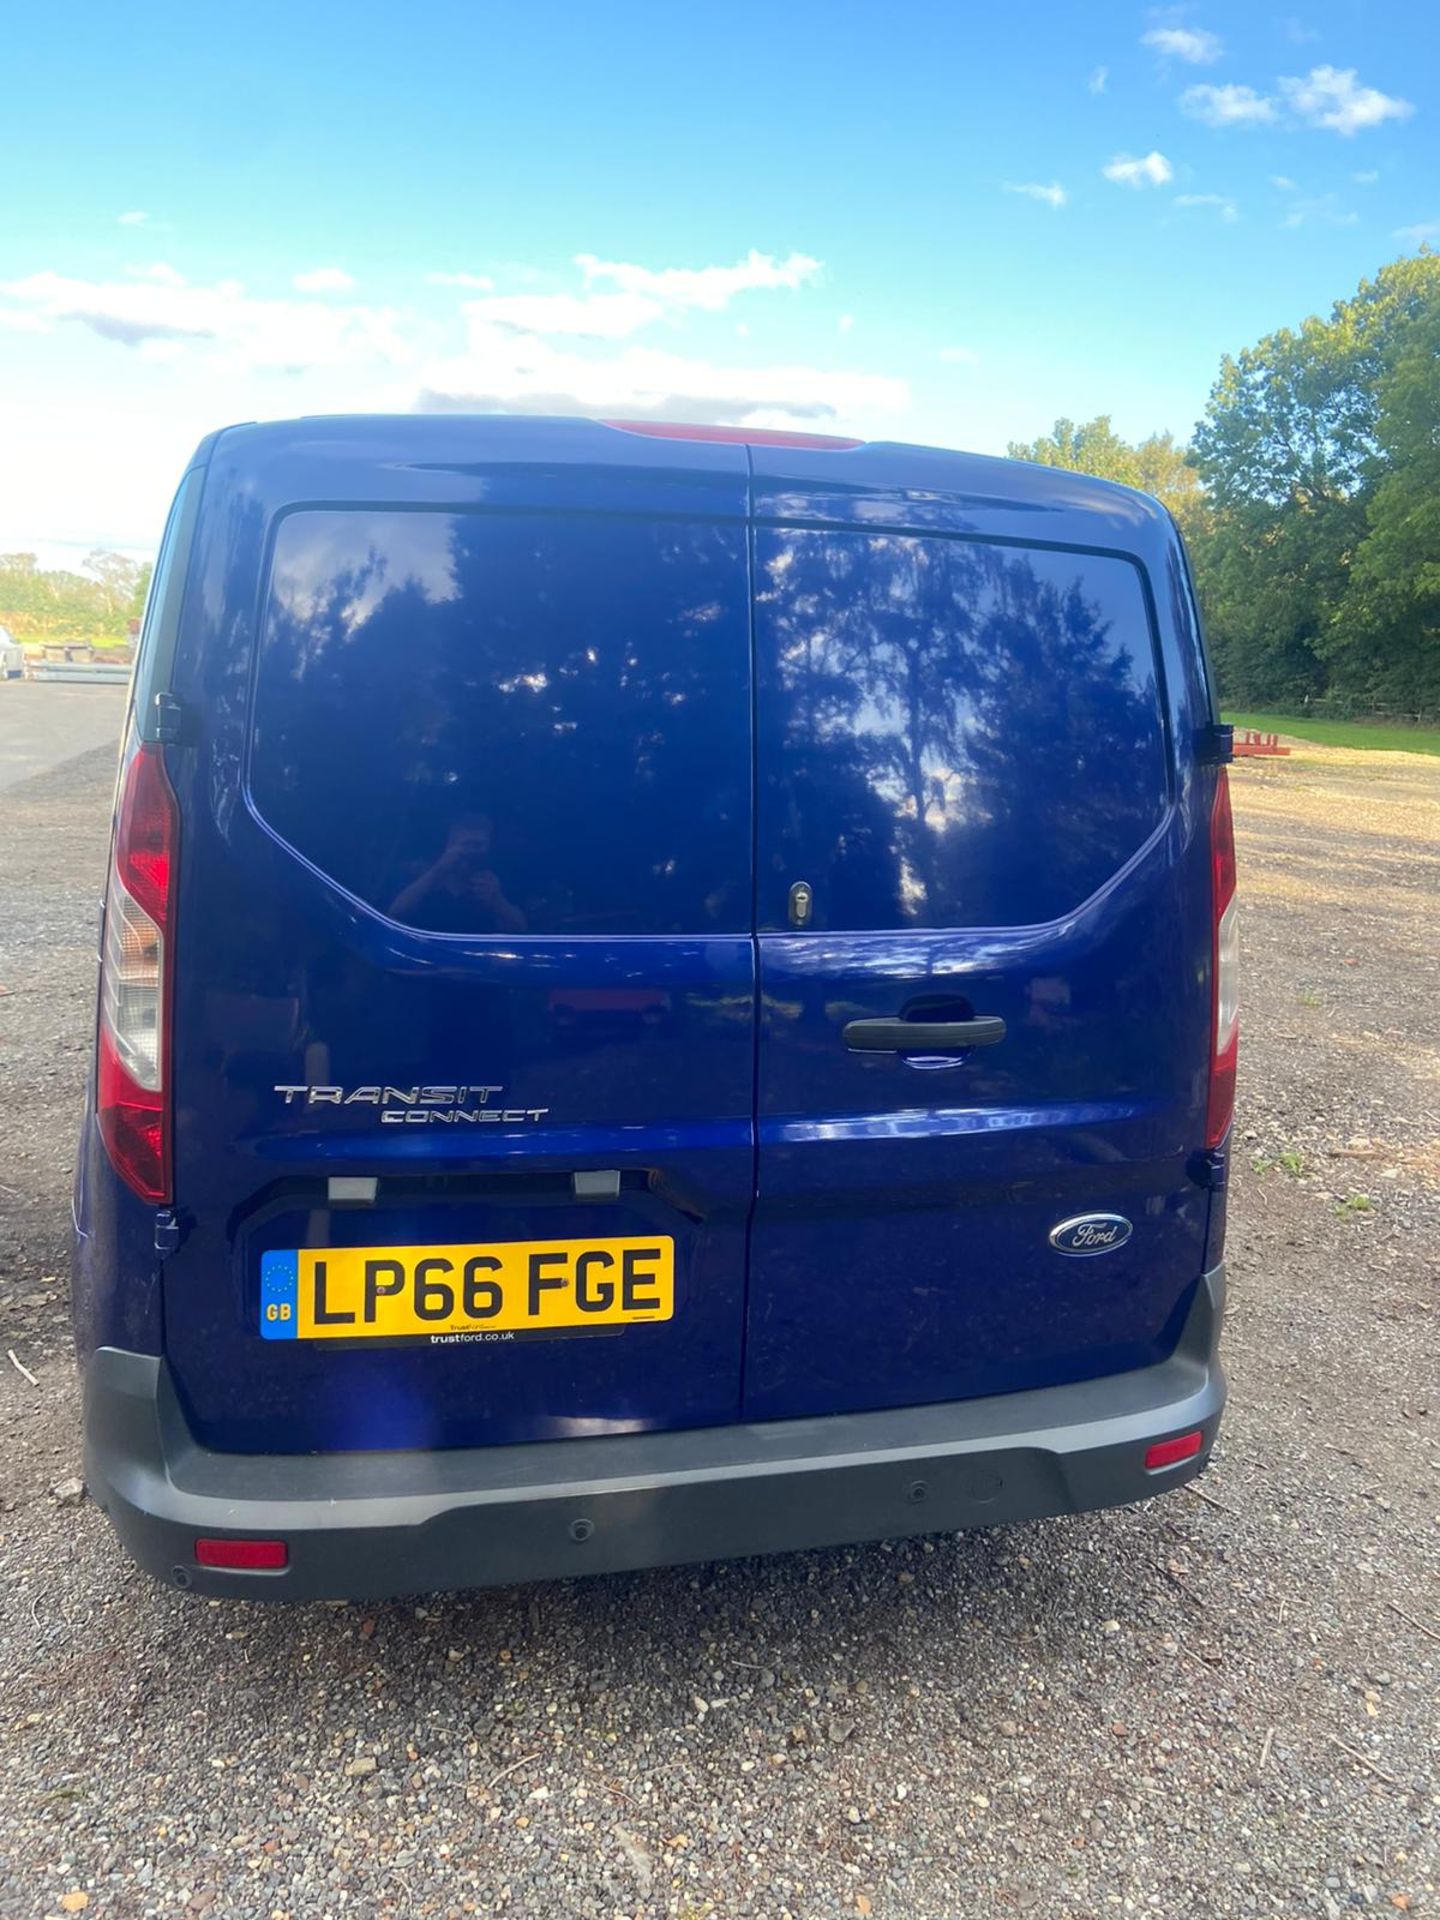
x=923, y=1036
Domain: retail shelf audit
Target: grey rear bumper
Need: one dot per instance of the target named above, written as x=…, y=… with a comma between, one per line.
x=364, y=1526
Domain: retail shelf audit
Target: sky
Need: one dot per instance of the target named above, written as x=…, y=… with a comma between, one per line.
x=944, y=223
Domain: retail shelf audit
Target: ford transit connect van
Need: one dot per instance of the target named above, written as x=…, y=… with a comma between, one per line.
x=664, y=993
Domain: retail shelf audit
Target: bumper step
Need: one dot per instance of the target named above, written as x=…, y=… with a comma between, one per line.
x=370, y=1526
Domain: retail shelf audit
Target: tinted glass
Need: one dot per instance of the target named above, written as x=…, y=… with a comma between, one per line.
x=511, y=724
x=952, y=734
x=156, y=651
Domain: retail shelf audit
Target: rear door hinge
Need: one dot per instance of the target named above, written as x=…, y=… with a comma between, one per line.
x=168, y=717
x=1209, y=1170
x=1215, y=744
x=167, y=1230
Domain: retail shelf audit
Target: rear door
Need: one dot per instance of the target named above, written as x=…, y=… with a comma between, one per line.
x=465, y=911
x=968, y=811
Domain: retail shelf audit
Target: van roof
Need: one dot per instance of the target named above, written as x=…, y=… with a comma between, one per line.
x=461, y=439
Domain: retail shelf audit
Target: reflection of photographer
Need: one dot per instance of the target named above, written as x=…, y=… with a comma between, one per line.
x=461, y=892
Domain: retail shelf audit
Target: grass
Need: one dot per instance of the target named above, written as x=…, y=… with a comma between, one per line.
x=1372, y=735
x=1291, y=1161
x=1355, y=1206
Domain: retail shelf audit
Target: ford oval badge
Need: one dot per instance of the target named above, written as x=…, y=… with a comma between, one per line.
x=1091, y=1233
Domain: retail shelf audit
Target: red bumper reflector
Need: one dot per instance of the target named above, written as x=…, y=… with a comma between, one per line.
x=1169, y=1453
x=243, y=1556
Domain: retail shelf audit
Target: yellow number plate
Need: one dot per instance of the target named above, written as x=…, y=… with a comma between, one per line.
x=464, y=1292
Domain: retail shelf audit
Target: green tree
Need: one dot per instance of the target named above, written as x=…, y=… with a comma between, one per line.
x=141, y=590
x=1168, y=470
x=1157, y=465
x=117, y=577
x=41, y=604
x=1296, y=441
x=1385, y=640
x=1283, y=451
x=1093, y=447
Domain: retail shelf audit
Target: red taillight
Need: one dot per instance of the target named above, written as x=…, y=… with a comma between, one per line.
x=145, y=835
x=734, y=436
x=132, y=1124
x=243, y=1556
x=1225, y=963
x=1169, y=1453
x=132, y=1091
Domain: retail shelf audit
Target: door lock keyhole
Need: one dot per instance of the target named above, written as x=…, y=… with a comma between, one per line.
x=802, y=904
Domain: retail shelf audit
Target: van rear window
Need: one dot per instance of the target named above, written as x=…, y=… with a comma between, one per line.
x=511, y=724
x=953, y=733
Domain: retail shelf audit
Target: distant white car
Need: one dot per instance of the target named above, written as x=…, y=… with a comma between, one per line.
x=12, y=656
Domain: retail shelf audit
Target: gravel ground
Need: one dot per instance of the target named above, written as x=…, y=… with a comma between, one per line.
x=42, y=723
x=1221, y=1703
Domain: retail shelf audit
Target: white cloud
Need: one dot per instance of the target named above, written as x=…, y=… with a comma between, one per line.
x=160, y=271
x=477, y=282
x=117, y=310
x=530, y=353
x=133, y=219
x=1151, y=171
x=845, y=322
x=1227, y=106
x=157, y=312
x=638, y=296
x=1053, y=195
x=1194, y=44
x=1099, y=79
x=959, y=356
x=209, y=351
x=1284, y=183
x=1331, y=97
x=1325, y=97
x=706, y=288
x=1422, y=232
x=602, y=316
x=1222, y=203
x=1323, y=211
x=97, y=471
x=500, y=371
x=324, y=280
x=1367, y=179
x=160, y=312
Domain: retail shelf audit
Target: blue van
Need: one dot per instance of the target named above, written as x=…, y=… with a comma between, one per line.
x=665, y=993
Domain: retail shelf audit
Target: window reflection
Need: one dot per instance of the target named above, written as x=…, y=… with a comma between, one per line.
x=461, y=891
x=953, y=733
x=512, y=724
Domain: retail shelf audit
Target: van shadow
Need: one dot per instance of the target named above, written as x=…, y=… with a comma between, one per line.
x=752, y=1657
